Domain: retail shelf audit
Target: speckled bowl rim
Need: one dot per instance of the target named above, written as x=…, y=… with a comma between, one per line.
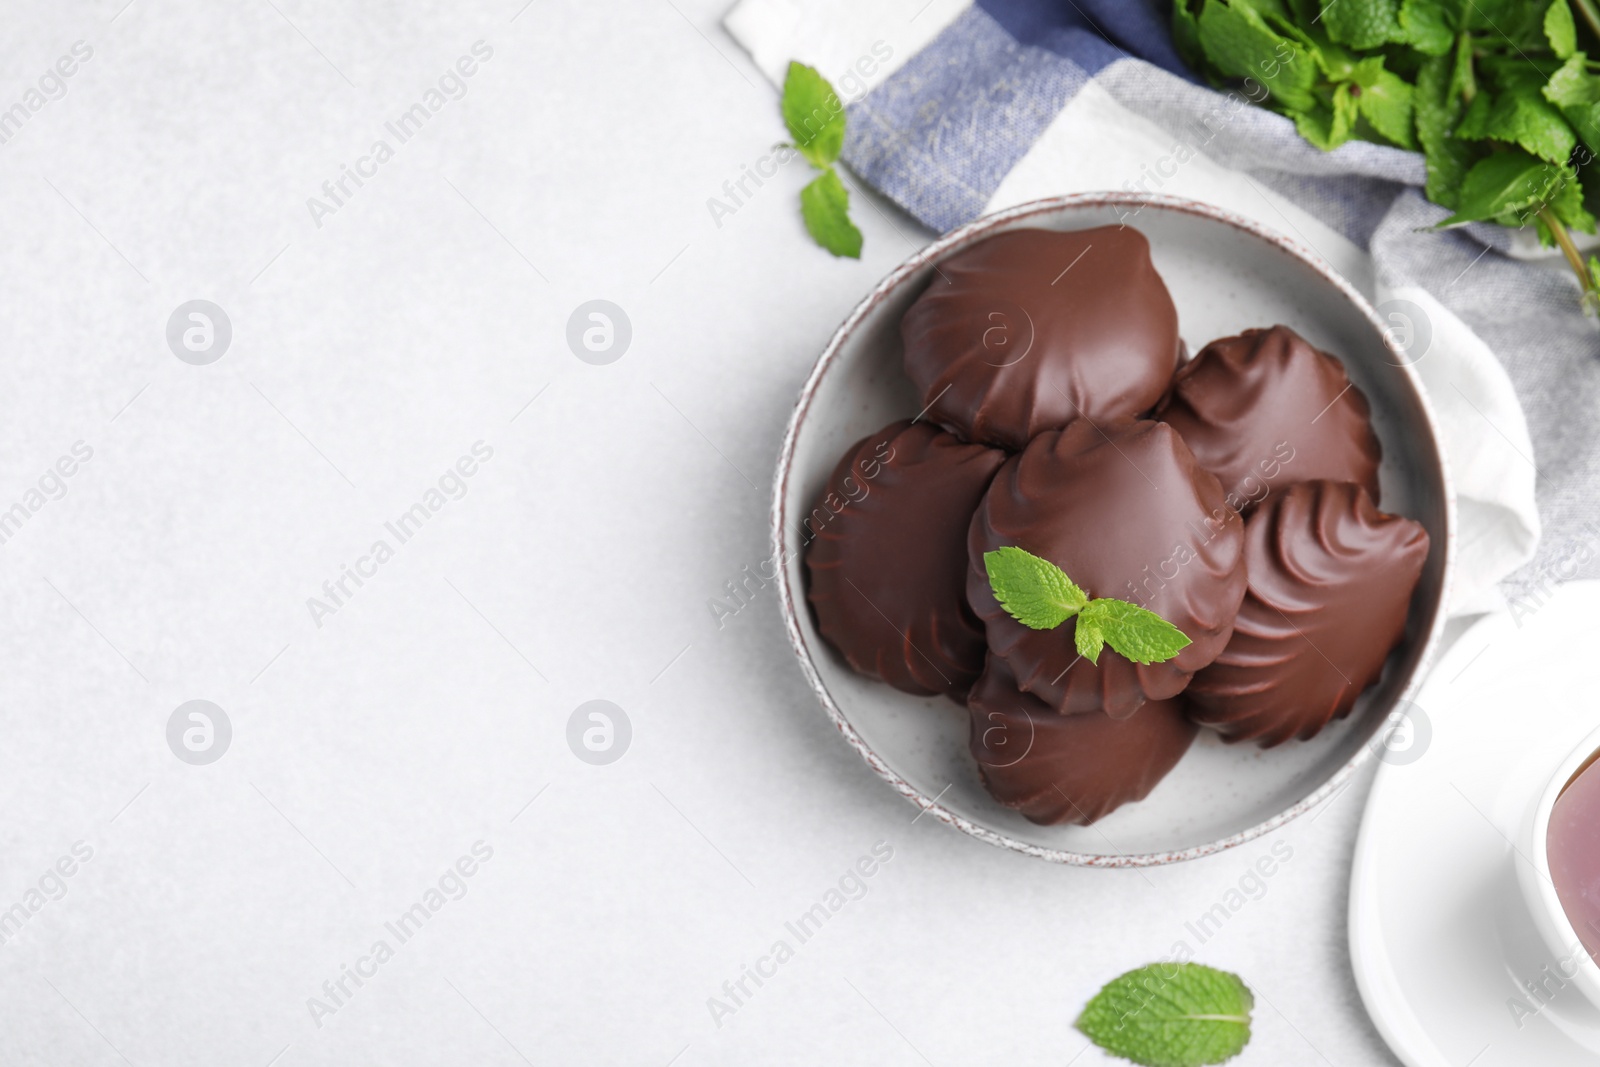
x=979, y=228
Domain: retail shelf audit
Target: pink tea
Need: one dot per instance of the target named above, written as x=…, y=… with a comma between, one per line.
x=1573, y=845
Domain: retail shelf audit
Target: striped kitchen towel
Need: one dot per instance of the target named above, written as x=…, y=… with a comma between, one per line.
x=958, y=109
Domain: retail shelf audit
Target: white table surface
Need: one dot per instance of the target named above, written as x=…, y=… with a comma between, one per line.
x=371, y=752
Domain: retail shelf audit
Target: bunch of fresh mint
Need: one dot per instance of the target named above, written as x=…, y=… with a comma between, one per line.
x=1500, y=96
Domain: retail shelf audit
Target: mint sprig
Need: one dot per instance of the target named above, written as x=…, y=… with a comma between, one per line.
x=815, y=117
x=1171, y=1015
x=1038, y=594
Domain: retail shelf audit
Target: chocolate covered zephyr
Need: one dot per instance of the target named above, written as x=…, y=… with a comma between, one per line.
x=1266, y=409
x=1068, y=768
x=1124, y=509
x=887, y=557
x=1027, y=330
x=1330, y=583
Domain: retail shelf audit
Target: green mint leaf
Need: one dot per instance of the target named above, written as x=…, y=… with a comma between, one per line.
x=1304, y=25
x=1585, y=119
x=1573, y=85
x=1437, y=110
x=1240, y=44
x=1363, y=23
x=1577, y=93
x=1429, y=25
x=1594, y=271
x=1509, y=183
x=1560, y=30
x=814, y=115
x=1385, y=101
x=1566, y=204
x=1522, y=116
x=1034, y=591
x=1282, y=16
x=1086, y=634
x=1286, y=18
x=825, y=206
x=1171, y=1015
x=1329, y=127
x=1133, y=632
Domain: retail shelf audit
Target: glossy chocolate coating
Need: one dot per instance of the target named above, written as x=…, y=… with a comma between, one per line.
x=1029, y=329
x=1126, y=511
x=1265, y=409
x=1069, y=768
x=1330, y=581
x=887, y=557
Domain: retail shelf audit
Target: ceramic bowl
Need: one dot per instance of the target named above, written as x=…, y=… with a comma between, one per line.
x=1226, y=274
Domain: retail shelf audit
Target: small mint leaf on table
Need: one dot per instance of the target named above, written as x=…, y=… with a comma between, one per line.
x=1171, y=1015
x=1034, y=591
x=816, y=120
x=825, y=206
x=814, y=114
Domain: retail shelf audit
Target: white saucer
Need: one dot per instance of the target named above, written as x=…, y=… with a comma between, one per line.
x=1440, y=938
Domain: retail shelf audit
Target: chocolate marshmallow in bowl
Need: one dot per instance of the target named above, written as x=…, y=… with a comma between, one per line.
x=887, y=557
x=1027, y=330
x=1330, y=583
x=1056, y=768
x=1265, y=409
x=1127, y=513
